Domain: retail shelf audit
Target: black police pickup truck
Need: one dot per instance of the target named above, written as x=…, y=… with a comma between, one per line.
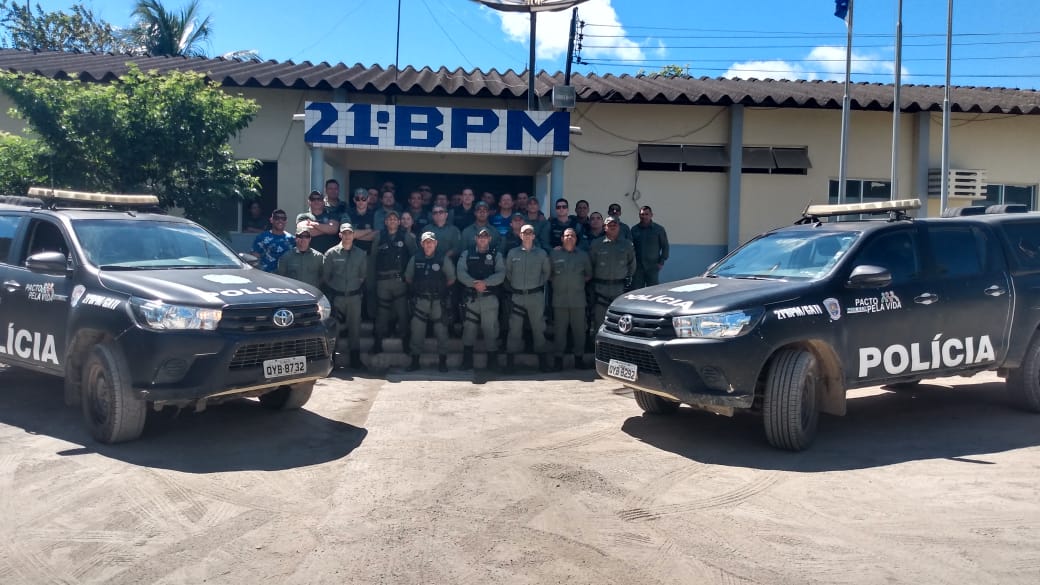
x=786, y=323
x=138, y=309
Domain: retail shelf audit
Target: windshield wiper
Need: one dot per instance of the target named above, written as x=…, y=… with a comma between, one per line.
x=121, y=267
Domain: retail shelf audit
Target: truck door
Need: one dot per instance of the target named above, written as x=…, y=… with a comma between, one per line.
x=883, y=325
x=974, y=295
x=35, y=305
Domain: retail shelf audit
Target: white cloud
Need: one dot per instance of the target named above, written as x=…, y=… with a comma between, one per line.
x=553, y=31
x=825, y=62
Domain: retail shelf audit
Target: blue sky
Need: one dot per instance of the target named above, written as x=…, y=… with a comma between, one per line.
x=996, y=42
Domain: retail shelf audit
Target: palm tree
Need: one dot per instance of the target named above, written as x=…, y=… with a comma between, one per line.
x=158, y=31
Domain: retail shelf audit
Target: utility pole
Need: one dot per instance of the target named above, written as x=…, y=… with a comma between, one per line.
x=570, y=46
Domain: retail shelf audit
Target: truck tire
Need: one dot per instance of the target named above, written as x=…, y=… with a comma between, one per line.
x=1023, y=383
x=289, y=397
x=790, y=407
x=654, y=404
x=111, y=411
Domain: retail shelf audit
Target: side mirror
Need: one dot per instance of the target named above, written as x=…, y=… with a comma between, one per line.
x=869, y=276
x=249, y=259
x=48, y=262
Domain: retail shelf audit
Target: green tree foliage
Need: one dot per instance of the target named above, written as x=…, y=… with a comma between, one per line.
x=159, y=31
x=162, y=134
x=77, y=30
x=23, y=163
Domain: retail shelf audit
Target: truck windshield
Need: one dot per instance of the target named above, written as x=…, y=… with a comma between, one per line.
x=786, y=255
x=142, y=245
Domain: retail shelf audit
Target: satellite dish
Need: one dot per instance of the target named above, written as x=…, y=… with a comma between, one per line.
x=530, y=5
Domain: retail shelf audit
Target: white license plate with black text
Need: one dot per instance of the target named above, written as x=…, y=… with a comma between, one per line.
x=623, y=370
x=285, y=367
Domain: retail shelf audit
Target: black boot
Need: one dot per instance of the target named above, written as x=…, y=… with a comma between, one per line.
x=558, y=364
x=467, y=358
x=442, y=363
x=510, y=365
x=584, y=364
x=492, y=362
x=355, y=359
x=377, y=345
x=415, y=363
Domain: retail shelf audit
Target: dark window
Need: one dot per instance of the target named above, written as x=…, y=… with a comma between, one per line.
x=714, y=158
x=45, y=237
x=1024, y=240
x=894, y=251
x=8, y=225
x=957, y=251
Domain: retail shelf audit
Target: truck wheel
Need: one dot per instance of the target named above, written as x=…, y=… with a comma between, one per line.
x=1023, y=383
x=789, y=408
x=654, y=404
x=110, y=410
x=289, y=397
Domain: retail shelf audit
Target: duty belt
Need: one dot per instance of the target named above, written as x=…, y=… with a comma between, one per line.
x=339, y=293
x=529, y=291
x=388, y=275
x=429, y=296
x=608, y=281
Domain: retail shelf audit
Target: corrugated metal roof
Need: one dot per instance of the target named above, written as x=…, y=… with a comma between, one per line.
x=510, y=84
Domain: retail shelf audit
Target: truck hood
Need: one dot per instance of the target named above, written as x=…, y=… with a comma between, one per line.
x=707, y=295
x=209, y=287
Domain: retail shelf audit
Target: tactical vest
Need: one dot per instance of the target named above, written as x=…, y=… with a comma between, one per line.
x=429, y=278
x=480, y=265
x=556, y=230
x=392, y=253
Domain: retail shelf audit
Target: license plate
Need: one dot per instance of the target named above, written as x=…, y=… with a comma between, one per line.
x=623, y=370
x=285, y=367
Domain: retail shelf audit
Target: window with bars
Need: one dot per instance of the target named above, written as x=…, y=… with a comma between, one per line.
x=714, y=158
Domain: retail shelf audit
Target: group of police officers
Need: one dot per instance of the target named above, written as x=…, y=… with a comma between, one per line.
x=494, y=281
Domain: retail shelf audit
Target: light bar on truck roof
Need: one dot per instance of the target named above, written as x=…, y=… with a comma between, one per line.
x=854, y=208
x=47, y=194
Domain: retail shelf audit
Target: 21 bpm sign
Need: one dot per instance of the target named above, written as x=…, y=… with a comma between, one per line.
x=430, y=129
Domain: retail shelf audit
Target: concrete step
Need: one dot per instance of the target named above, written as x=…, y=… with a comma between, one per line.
x=523, y=362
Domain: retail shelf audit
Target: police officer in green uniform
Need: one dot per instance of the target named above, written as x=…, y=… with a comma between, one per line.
x=344, y=276
x=481, y=271
x=571, y=269
x=527, y=270
x=449, y=243
x=391, y=249
x=303, y=263
x=429, y=275
x=651, y=242
x=613, y=264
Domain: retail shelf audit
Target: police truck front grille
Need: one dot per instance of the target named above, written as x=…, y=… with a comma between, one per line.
x=249, y=319
x=649, y=326
x=642, y=358
x=254, y=354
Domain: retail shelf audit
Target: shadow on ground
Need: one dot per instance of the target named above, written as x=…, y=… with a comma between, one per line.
x=963, y=423
x=238, y=435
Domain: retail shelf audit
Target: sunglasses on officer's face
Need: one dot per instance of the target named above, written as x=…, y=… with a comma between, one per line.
x=304, y=235
x=561, y=207
x=279, y=218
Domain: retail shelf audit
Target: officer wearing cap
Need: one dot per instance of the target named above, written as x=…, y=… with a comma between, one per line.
x=481, y=212
x=527, y=270
x=322, y=224
x=429, y=274
x=613, y=264
x=302, y=263
x=391, y=249
x=481, y=271
x=344, y=276
x=571, y=270
x=614, y=210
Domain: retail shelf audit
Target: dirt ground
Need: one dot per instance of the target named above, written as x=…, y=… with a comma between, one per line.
x=411, y=480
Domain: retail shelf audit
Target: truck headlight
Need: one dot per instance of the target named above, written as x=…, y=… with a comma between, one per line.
x=728, y=324
x=166, y=317
x=324, y=308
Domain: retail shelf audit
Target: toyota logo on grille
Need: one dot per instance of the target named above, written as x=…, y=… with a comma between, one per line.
x=283, y=318
x=624, y=324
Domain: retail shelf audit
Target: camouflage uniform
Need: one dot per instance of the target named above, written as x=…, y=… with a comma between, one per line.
x=481, y=308
x=429, y=279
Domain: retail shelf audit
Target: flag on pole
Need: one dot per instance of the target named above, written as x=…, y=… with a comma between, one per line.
x=841, y=8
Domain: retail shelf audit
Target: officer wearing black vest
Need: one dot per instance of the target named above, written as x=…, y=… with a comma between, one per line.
x=429, y=274
x=391, y=249
x=482, y=272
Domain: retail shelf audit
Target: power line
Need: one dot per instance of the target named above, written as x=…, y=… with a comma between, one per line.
x=842, y=60
x=813, y=46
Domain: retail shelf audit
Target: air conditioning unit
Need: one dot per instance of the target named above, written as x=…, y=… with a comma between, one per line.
x=563, y=97
x=963, y=183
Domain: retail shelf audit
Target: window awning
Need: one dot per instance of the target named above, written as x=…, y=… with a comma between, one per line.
x=792, y=158
x=756, y=157
x=705, y=156
x=660, y=153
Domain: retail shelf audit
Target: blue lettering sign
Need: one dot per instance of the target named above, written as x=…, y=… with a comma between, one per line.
x=517, y=123
x=461, y=127
x=408, y=126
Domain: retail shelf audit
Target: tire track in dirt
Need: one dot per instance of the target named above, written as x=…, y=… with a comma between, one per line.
x=762, y=482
